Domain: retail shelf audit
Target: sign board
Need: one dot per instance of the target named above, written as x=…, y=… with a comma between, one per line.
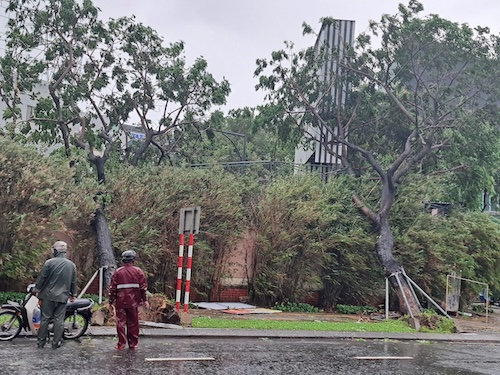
x=136, y=135
x=189, y=221
x=453, y=302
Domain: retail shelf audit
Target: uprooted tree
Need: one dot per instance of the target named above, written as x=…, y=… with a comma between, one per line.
x=430, y=89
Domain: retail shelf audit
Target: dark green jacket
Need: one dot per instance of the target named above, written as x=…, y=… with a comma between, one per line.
x=57, y=279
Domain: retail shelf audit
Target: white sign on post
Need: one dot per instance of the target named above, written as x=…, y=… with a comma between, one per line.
x=189, y=222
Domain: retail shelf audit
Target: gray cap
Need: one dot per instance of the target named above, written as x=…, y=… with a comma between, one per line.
x=60, y=246
x=128, y=256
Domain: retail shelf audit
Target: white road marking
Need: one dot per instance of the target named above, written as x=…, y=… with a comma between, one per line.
x=373, y=358
x=181, y=359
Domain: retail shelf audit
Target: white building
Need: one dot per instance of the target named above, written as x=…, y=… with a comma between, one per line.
x=28, y=100
x=3, y=24
x=333, y=35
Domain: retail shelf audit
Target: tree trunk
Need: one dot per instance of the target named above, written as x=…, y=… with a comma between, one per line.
x=408, y=303
x=104, y=246
x=142, y=149
x=99, y=163
x=330, y=295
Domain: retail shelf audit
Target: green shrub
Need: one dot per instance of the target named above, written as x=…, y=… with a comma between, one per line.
x=296, y=307
x=351, y=309
x=94, y=297
x=153, y=229
x=11, y=296
x=430, y=321
x=481, y=309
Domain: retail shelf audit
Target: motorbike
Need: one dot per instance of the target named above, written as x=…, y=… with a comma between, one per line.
x=15, y=317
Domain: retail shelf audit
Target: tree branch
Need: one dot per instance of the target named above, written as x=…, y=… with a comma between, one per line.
x=365, y=210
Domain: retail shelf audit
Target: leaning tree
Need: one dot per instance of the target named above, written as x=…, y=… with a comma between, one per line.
x=415, y=87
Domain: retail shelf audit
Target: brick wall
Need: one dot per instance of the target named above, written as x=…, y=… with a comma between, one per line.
x=94, y=287
x=312, y=299
x=239, y=294
x=234, y=295
x=228, y=294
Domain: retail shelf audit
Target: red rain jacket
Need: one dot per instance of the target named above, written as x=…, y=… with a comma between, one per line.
x=128, y=287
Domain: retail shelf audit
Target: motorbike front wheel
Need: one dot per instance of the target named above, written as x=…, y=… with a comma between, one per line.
x=10, y=325
x=75, y=326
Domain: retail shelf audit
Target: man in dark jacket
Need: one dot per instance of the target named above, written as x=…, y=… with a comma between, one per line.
x=128, y=291
x=55, y=284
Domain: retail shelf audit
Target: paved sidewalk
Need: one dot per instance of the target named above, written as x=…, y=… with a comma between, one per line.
x=97, y=331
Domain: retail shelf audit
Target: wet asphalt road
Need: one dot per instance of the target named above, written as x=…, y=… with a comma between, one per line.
x=250, y=356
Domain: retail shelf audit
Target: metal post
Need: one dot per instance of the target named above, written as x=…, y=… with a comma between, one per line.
x=487, y=302
x=244, y=148
x=412, y=290
x=82, y=292
x=386, y=298
x=188, y=272
x=179, y=273
x=101, y=279
x=428, y=297
x=404, y=294
x=447, y=284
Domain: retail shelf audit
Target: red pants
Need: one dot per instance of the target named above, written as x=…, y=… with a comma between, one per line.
x=127, y=327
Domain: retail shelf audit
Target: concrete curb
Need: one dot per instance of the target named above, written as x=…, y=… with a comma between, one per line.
x=96, y=331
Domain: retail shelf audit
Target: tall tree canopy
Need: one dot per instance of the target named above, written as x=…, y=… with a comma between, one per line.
x=158, y=90
x=415, y=100
x=99, y=77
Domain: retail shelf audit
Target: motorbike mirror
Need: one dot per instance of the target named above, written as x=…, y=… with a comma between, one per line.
x=30, y=288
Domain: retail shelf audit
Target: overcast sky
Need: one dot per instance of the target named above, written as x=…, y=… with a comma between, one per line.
x=232, y=34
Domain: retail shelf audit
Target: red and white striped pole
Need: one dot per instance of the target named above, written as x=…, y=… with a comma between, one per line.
x=188, y=272
x=179, y=273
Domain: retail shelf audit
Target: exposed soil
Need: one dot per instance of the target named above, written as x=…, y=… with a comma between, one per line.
x=478, y=323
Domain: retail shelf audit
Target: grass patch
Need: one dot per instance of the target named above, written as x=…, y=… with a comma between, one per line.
x=385, y=326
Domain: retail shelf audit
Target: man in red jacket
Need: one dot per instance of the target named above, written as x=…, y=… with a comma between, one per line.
x=128, y=291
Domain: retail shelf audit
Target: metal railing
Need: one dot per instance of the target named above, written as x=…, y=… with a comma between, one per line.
x=325, y=171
